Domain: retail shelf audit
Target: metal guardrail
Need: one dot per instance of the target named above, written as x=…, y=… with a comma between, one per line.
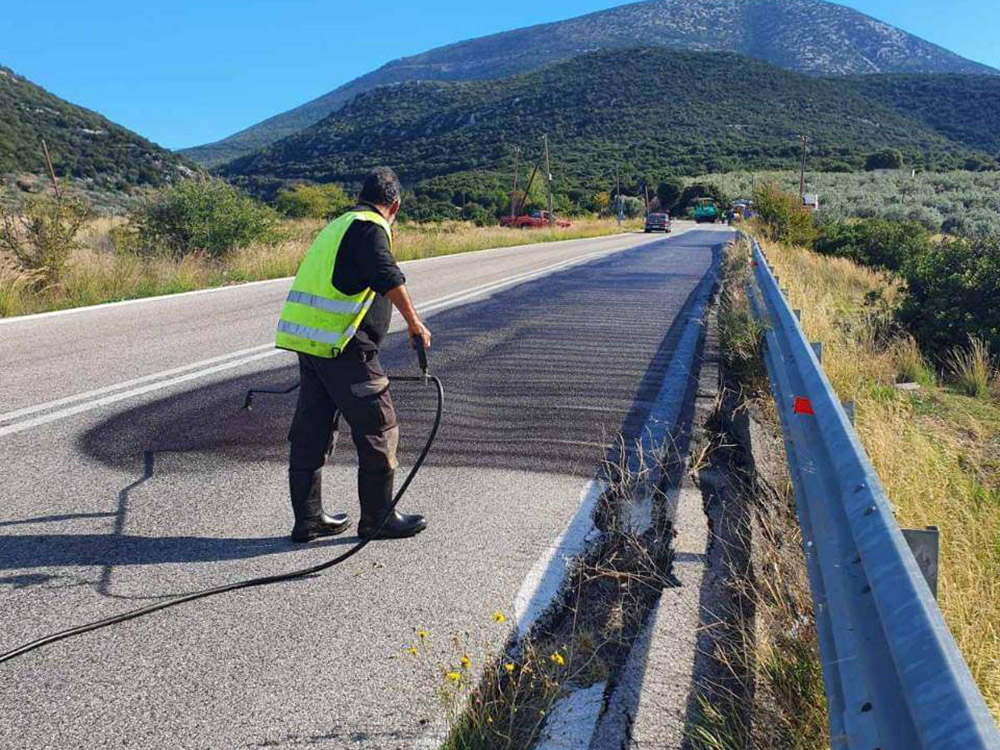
x=894, y=677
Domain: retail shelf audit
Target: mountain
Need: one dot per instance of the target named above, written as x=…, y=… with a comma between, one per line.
x=653, y=111
x=807, y=36
x=83, y=144
x=963, y=108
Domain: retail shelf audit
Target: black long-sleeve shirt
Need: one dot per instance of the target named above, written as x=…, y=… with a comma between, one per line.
x=365, y=260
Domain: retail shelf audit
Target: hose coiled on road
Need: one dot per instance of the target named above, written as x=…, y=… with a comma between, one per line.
x=262, y=580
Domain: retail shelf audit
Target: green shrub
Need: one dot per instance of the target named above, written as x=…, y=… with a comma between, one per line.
x=476, y=214
x=782, y=216
x=877, y=243
x=888, y=158
x=669, y=192
x=208, y=216
x=313, y=201
x=41, y=234
x=953, y=291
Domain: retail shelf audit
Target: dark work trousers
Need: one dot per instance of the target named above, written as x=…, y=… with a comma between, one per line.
x=354, y=384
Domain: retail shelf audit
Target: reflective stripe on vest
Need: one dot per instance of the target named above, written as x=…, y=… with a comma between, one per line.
x=318, y=318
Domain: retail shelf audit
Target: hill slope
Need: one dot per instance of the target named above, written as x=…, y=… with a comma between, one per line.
x=653, y=111
x=808, y=36
x=963, y=108
x=83, y=144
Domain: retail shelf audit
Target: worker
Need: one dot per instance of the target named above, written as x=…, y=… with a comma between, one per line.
x=336, y=317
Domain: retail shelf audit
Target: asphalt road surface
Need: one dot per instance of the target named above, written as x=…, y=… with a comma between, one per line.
x=130, y=473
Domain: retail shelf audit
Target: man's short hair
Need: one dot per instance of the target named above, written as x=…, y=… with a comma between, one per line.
x=381, y=187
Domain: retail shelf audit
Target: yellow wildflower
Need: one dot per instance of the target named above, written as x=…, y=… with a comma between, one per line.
x=422, y=633
x=509, y=667
x=499, y=617
x=453, y=676
x=466, y=663
x=412, y=650
x=558, y=659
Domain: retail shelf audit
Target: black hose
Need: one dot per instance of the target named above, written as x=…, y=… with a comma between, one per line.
x=263, y=580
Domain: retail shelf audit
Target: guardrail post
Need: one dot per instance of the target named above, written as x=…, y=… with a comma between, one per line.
x=925, y=544
x=818, y=348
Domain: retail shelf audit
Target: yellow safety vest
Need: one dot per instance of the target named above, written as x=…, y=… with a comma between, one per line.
x=318, y=318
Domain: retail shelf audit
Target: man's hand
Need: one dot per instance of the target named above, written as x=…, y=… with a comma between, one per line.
x=418, y=330
x=401, y=299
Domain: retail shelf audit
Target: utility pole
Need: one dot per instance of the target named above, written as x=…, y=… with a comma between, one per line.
x=548, y=181
x=52, y=171
x=618, y=194
x=802, y=172
x=513, y=192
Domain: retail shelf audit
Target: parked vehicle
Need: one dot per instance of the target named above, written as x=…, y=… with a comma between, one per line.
x=531, y=220
x=658, y=222
x=705, y=210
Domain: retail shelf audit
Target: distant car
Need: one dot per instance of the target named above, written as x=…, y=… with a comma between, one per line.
x=658, y=222
x=531, y=220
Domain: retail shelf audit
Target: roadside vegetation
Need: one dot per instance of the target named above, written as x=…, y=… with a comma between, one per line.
x=769, y=689
x=952, y=202
x=55, y=253
x=936, y=448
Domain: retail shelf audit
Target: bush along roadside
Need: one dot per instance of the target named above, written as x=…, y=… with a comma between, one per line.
x=55, y=254
x=949, y=285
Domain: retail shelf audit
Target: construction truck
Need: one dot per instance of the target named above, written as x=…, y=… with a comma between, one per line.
x=705, y=210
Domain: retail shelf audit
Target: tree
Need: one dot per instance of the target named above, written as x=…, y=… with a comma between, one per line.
x=308, y=201
x=888, y=158
x=600, y=202
x=207, y=216
x=877, y=243
x=669, y=192
x=952, y=293
x=782, y=217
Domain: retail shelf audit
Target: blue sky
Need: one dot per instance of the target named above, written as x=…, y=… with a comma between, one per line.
x=188, y=72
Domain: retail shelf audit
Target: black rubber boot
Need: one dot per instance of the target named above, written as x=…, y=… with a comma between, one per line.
x=306, y=489
x=375, y=492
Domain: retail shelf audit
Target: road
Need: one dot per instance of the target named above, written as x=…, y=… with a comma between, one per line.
x=130, y=473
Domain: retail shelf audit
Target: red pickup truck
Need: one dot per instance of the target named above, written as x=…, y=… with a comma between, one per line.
x=531, y=220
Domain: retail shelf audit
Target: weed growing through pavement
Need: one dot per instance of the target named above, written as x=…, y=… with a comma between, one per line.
x=505, y=702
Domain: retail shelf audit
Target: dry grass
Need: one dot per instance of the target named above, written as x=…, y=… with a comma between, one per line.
x=972, y=370
x=937, y=452
x=96, y=273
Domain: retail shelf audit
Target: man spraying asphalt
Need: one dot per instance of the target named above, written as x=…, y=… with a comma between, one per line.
x=335, y=317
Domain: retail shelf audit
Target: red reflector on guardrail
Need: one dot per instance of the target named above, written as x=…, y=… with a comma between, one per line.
x=803, y=406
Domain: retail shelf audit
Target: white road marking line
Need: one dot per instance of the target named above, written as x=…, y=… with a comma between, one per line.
x=12, y=415
x=286, y=279
x=106, y=400
x=164, y=380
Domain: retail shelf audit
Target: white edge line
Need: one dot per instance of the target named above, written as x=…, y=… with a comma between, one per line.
x=128, y=383
x=545, y=580
x=247, y=284
x=104, y=400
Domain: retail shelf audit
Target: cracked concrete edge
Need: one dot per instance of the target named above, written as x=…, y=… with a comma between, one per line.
x=651, y=701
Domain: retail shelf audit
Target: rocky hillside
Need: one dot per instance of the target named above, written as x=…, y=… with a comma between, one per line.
x=83, y=144
x=808, y=36
x=652, y=111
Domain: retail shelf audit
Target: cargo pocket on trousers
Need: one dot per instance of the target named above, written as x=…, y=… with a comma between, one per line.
x=374, y=393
